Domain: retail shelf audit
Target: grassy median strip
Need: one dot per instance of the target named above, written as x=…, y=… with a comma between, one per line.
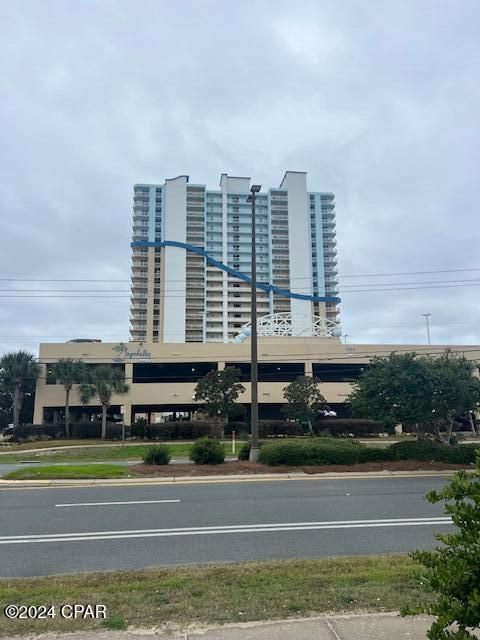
x=219, y=594
x=94, y=454
x=70, y=472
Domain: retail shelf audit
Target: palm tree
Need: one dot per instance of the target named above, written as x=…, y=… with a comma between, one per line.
x=18, y=371
x=69, y=372
x=103, y=381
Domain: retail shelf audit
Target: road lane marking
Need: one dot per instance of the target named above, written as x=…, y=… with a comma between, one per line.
x=101, y=504
x=253, y=528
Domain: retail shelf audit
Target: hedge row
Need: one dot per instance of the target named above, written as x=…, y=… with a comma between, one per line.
x=345, y=427
x=427, y=450
x=335, y=427
x=323, y=451
x=78, y=430
x=181, y=430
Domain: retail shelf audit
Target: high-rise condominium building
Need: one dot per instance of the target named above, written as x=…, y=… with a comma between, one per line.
x=191, y=258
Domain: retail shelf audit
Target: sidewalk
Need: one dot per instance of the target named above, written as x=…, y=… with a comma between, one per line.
x=333, y=627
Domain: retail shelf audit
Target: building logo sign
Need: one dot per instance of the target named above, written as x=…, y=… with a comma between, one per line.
x=121, y=349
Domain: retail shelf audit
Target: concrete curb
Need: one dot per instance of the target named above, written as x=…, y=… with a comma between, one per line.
x=329, y=626
x=251, y=477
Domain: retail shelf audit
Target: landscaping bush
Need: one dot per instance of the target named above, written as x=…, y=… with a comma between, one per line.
x=343, y=427
x=207, y=451
x=202, y=429
x=331, y=451
x=237, y=426
x=34, y=431
x=276, y=428
x=244, y=451
x=162, y=431
x=181, y=430
x=137, y=429
x=78, y=430
x=318, y=451
x=86, y=430
x=451, y=570
x=267, y=428
x=378, y=454
x=158, y=454
x=428, y=450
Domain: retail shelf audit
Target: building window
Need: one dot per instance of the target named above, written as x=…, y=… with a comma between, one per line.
x=171, y=372
x=271, y=371
x=333, y=372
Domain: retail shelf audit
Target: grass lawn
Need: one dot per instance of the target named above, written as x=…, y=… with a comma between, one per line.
x=94, y=454
x=219, y=594
x=73, y=472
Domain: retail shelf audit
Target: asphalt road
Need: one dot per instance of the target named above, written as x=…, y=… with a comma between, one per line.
x=66, y=530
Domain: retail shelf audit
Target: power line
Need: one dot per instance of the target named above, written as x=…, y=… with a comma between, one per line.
x=150, y=288
x=442, y=286
x=406, y=273
x=185, y=295
x=56, y=280
x=361, y=275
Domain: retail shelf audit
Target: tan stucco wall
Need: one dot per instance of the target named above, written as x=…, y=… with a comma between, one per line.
x=305, y=350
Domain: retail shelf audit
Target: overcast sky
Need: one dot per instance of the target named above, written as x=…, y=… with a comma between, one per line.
x=378, y=101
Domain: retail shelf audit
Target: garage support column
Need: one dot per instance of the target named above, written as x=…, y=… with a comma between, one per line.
x=127, y=406
x=41, y=383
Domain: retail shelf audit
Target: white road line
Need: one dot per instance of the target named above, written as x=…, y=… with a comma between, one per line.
x=102, y=504
x=256, y=528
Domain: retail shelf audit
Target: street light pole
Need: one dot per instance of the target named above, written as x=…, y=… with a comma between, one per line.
x=254, y=448
x=345, y=336
x=427, y=320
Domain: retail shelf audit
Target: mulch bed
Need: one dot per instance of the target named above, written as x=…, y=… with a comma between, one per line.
x=245, y=467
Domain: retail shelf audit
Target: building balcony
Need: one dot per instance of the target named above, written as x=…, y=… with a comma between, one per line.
x=138, y=333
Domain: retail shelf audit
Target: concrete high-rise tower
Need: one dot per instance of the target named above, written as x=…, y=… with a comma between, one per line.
x=191, y=258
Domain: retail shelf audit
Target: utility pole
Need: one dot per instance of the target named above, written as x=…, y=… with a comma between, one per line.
x=254, y=448
x=427, y=320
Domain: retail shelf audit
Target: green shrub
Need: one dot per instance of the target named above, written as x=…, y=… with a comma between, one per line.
x=202, y=429
x=430, y=451
x=137, y=429
x=181, y=430
x=343, y=427
x=237, y=426
x=267, y=428
x=318, y=451
x=452, y=571
x=244, y=451
x=372, y=454
x=276, y=428
x=161, y=431
x=157, y=454
x=78, y=430
x=207, y=451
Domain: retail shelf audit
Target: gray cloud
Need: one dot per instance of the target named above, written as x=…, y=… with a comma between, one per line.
x=377, y=101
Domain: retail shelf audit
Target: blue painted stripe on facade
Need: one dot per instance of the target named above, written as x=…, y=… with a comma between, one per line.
x=236, y=274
